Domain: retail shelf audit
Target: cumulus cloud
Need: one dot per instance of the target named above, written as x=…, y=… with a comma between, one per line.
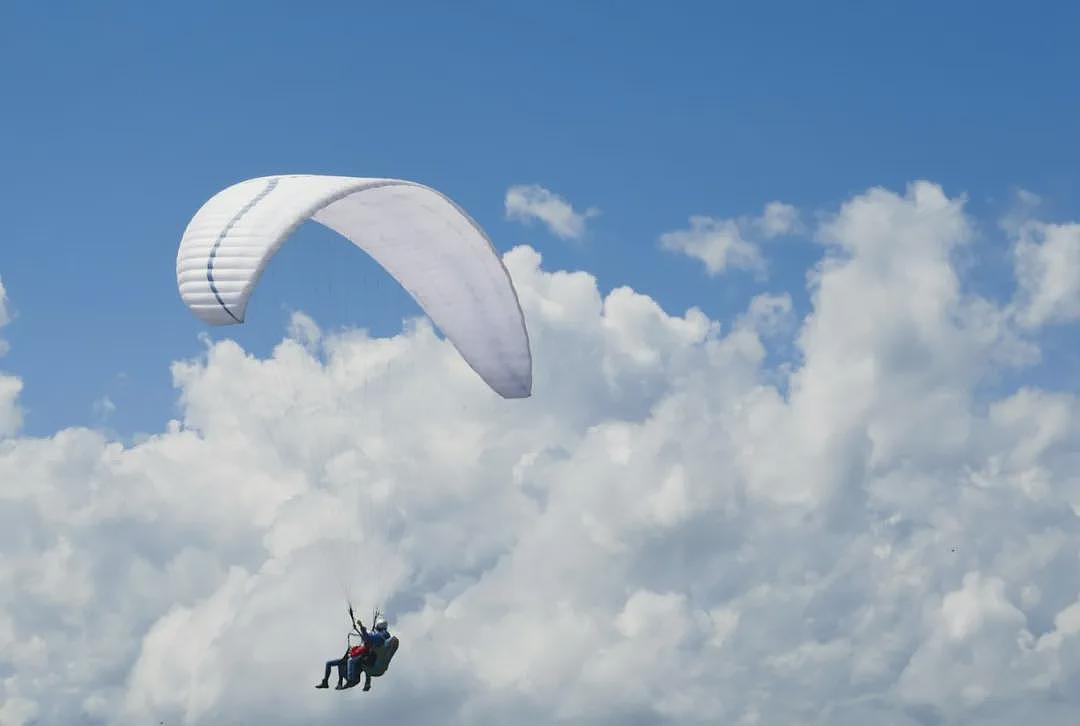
x=1047, y=258
x=1046, y=261
x=732, y=243
x=533, y=202
x=869, y=543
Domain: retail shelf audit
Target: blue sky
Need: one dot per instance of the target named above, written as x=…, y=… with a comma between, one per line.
x=120, y=119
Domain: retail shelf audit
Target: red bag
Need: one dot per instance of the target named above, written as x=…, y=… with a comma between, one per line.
x=357, y=650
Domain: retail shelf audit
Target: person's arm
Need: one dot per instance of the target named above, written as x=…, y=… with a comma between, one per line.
x=355, y=622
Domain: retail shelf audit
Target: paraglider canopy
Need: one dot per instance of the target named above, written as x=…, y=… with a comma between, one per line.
x=425, y=241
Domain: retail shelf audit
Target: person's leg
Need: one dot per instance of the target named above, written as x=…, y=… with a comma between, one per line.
x=367, y=681
x=352, y=675
x=326, y=673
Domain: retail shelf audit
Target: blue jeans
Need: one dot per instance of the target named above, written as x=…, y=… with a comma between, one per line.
x=340, y=663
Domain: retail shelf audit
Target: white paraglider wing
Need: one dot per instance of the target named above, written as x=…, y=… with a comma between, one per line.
x=429, y=245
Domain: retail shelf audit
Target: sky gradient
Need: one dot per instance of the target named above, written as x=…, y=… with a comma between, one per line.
x=134, y=115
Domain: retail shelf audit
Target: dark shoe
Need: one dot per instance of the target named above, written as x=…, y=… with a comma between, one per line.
x=367, y=682
x=339, y=687
x=324, y=684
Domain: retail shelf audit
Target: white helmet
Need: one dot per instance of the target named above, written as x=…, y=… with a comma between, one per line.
x=380, y=623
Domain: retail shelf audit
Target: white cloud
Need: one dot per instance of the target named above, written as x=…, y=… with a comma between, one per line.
x=18, y=711
x=716, y=242
x=103, y=408
x=10, y=411
x=1047, y=258
x=5, y=316
x=770, y=315
x=870, y=544
x=777, y=220
x=956, y=668
x=1021, y=211
x=732, y=243
x=532, y=201
x=10, y=386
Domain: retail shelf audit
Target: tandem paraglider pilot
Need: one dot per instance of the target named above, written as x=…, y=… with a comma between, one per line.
x=371, y=657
